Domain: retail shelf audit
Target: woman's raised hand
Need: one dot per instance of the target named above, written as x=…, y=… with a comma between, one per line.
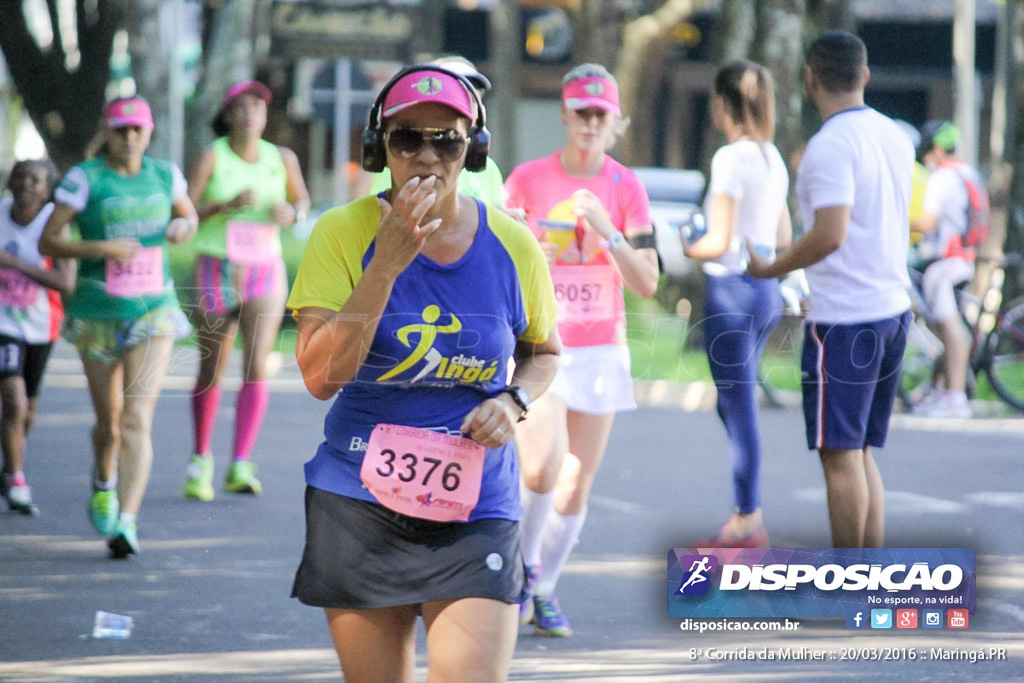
x=587, y=206
x=400, y=236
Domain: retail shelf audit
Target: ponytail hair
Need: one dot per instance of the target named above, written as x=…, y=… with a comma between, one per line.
x=748, y=92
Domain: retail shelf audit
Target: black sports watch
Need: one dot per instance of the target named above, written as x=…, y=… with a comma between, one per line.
x=521, y=398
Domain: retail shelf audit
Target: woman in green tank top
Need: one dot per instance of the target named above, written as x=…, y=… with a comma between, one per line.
x=246, y=190
x=124, y=314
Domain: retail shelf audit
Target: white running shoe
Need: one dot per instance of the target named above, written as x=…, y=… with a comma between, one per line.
x=922, y=405
x=947, y=405
x=19, y=499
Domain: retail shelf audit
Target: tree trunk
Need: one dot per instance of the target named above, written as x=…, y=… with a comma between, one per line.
x=1009, y=219
x=781, y=51
x=148, y=44
x=596, y=32
x=505, y=26
x=734, y=38
x=734, y=34
x=1005, y=90
x=832, y=14
x=640, y=71
x=64, y=105
x=227, y=36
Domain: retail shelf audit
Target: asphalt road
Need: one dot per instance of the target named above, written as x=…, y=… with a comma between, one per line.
x=209, y=593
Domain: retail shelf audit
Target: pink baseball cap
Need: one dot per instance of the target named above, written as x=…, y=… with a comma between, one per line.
x=433, y=85
x=131, y=111
x=255, y=87
x=220, y=123
x=592, y=91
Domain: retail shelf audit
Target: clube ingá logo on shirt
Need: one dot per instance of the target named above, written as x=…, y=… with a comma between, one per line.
x=435, y=366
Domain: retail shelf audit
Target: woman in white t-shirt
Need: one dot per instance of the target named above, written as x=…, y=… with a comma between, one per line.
x=30, y=314
x=745, y=209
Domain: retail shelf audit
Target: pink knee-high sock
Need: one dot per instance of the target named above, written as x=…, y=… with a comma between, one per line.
x=205, y=403
x=249, y=411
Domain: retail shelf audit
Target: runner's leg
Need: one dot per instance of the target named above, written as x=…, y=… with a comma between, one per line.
x=104, y=381
x=588, y=438
x=542, y=441
x=874, y=527
x=14, y=416
x=470, y=640
x=145, y=366
x=849, y=495
x=259, y=321
x=375, y=645
x=215, y=334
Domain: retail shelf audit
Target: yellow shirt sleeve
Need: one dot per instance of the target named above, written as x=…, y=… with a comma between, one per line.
x=919, y=183
x=534, y=275
x=333, y=261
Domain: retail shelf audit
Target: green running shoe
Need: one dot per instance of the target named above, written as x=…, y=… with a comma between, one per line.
x=124, y=541
x=242, y=478
x=103, y=511
x=199, y=479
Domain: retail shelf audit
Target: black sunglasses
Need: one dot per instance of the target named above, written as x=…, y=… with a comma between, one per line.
x=406, y=143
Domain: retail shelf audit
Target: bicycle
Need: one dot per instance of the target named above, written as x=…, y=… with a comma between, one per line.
x=996, y=341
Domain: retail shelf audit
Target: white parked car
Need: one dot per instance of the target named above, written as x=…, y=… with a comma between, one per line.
x=675, y=196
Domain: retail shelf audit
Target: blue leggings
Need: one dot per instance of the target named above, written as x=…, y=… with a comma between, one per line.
x=739, y=315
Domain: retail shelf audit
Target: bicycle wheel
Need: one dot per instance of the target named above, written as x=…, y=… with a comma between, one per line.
x=1005, y=366
x=921, y=360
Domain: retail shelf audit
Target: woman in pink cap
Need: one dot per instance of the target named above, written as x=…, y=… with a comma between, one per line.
x=246, y=189
x=124, y=315
x=410, y=307
x=592, y=217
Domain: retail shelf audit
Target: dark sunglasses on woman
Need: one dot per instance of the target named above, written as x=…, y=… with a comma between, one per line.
x=406, y=143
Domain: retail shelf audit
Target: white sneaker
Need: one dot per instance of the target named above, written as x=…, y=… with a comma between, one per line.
x=949, y=404
x=19, y=499
x=922, y=406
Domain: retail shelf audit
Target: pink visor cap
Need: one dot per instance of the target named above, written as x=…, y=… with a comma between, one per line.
x=592, y=91
x=128, y=112
x=255, y=87
x=420, y=87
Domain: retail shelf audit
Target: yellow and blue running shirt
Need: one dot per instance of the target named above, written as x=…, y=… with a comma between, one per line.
x=442, y=346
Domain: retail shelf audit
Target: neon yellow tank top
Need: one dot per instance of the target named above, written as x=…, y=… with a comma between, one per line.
x=231, y=176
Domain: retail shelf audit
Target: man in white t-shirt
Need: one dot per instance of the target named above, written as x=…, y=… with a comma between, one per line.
x=853, y=185
x=947, y=262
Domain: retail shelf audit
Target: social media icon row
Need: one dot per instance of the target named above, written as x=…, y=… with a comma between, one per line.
x=908, y=618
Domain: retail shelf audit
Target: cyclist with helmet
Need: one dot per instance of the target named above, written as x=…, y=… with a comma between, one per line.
x=953, y=198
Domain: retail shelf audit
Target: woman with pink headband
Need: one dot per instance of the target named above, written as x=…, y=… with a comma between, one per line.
x=124, y=314
x=246, y=189
x=410, y=305
x=592, y=217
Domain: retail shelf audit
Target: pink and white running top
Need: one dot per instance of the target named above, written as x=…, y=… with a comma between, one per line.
x=588, y=286
x=28, y=311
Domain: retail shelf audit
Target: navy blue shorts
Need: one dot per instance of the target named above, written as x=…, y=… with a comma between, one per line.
x=850, y=377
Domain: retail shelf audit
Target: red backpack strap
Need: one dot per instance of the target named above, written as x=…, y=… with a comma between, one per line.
x=978, y=205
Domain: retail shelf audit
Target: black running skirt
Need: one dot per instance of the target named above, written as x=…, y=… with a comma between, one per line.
x=361, y=555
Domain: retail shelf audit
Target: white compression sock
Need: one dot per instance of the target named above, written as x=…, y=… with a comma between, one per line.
x=561, y=537
x=537, y=512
